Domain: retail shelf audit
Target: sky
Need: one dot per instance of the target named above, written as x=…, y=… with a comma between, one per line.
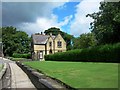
x=36, y=17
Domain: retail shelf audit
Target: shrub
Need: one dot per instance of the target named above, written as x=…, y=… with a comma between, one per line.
x=104, y=53
x=17, y=55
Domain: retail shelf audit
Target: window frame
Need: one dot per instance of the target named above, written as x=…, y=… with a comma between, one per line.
x=59, y=44
x=50, y=44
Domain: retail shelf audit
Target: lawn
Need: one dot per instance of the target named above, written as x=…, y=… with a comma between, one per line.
x=80, y=74
x=18, y=59
x=1, y=66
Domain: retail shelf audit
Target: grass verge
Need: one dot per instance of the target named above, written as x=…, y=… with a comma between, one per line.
x=80, y=74
x=1, y=66
x=18, y=59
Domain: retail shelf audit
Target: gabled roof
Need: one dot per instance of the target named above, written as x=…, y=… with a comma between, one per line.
x=60, y=36
x=41, y=39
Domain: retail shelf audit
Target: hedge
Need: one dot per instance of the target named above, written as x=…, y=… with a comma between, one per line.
x=104, y=53
x=17, y=55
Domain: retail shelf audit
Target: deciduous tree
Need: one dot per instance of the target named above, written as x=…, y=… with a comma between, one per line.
x=84, y=41
x=14, y=41
x=106, y=23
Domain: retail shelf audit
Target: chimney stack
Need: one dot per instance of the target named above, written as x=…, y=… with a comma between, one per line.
x=41, y=33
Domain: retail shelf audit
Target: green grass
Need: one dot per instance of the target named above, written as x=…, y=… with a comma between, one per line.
x=1, y=66
x=18, y=59
x=80, y=74
x=0, y=39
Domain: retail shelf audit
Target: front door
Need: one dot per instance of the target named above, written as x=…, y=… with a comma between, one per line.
x=50, y=52
x=41, y=55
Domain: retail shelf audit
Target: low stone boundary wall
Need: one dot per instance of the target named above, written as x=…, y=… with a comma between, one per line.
x=41, y=81
x=34, y=78
x=2, y=74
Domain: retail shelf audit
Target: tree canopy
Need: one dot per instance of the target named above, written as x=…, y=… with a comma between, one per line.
x=53, y=30
x=84, y=41
x=0, y=34
x=106, y=23
x=14, y=41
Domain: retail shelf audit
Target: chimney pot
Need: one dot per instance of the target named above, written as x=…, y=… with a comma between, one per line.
x=41, y=33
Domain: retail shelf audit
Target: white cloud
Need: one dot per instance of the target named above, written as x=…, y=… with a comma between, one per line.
x=34, y=0
x=19, y=12
x=67, y=19
x=42, y=24
x=81, y=23
x=33, y=17
x=37, y=17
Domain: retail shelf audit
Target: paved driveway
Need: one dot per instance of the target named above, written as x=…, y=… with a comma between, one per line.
x=4, y=60
x=16, y=77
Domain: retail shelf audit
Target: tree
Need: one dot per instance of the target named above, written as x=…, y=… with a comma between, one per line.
x=23, y=42
x=106, y=23
x=0, y=34
x=14, y=41
x=67, y=37
x=53, y=30
x=84, y=41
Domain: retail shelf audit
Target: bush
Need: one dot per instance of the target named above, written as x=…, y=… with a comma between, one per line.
x=104, y=53
x=16, y=55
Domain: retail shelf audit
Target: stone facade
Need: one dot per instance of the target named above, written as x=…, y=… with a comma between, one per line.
x=46, y=44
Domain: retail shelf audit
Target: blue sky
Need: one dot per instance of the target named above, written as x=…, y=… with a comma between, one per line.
x=67, y=9
x=34, y=17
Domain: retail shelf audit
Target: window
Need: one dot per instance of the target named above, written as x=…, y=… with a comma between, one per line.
x=59, y=43
x=59, y=50
x=50, y=44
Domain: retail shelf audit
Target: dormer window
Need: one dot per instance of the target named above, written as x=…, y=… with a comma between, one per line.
x=59, y=43
x=50, y=44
